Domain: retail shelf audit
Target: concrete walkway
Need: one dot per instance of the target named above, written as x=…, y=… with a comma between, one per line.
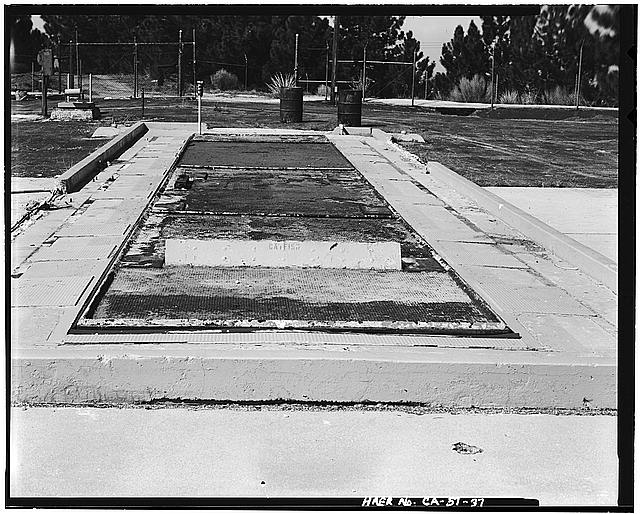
x=590, y=216
x=71, y=452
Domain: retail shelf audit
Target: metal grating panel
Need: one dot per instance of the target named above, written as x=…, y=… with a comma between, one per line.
x=273, y=154
x=307, y=338
x=58, y=291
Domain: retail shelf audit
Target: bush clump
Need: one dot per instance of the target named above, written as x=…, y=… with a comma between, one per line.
x=509, y=97
x=323, y=90
x=280, y=80
x=560, y=96
x=471, y=90
x=224, y=81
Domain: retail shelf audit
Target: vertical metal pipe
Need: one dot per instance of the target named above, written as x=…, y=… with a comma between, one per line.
x=70, y=77
x=193, y=36
x=59, y=67
x=326, y=75
x=413, y=77
x=142, y=116
x=33, y=77
x=246, y=72
x=44, y=94
x=135, y=67
x=180, y=63
x=336, y=29
x=199, y=113
x=364, y=72
x=90, y=87
x=78, y=61
x=80, y=79
x=295, y=62
x=579, y=76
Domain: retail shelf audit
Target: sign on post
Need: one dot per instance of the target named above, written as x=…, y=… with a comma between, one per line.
x=200, y=92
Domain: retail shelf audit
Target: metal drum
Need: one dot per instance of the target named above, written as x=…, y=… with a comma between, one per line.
x=350, y=108
x=290, y=104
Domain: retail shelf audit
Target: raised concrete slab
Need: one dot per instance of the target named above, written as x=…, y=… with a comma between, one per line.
x=283, y=254
x=566, y=316
x=590, y=216
x=87, y=452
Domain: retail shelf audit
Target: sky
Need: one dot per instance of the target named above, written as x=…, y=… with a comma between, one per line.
x=431, y=31
x=434, y=31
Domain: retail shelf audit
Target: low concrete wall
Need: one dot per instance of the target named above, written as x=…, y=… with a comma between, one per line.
x=75, y=177
x=122, y=379
x=589, y=261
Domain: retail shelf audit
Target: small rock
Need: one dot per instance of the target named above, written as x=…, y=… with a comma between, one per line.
x=466, y=449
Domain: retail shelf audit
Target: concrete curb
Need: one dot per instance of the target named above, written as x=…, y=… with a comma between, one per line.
x=591, y=262
x=121, y=374
x=73, y=179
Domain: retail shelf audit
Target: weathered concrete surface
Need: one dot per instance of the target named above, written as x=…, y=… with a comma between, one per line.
x=72, y=452
x=566, y=319
x=118, y=373
x=591, y=262
x=590, y=216
x=283, y=254
x=83, y=171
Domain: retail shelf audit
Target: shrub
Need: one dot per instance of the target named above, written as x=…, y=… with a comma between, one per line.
x=470, y=90
x=224, y=81
x=509, y=97
x=280, y=80
x=528, y=97
x=560, y=96
x=323, y=90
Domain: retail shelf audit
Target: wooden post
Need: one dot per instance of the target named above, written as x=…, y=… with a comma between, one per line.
x=336, y=28
x=413, y=77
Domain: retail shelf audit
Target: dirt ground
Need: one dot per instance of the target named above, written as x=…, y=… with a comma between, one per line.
x=580, y=150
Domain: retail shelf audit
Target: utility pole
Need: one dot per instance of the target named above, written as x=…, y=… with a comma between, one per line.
x=336, y=28
x=295, y=62
x=413, y=77
x=578, y=78
x=180, y=63
x=59, y=56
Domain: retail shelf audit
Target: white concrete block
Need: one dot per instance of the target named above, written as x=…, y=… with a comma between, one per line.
x=283, y=254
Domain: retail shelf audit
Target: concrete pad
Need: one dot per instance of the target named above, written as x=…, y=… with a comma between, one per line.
x=85, y=452
x=587, y=215
x=283, y=254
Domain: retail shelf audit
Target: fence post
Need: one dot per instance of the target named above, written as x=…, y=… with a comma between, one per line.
x=295, y=62
x=44, y=93
x=336, y=28
x=246, y=72
x=364, y=71
x=142, y=116
x=33, y=79
x=135, y=66
x=413, y=77
x=90, y=88
x=578, y=78
x=70, y=76
x=326, y=76
x=180, y=63
x=78, y=62
x=194, y=60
